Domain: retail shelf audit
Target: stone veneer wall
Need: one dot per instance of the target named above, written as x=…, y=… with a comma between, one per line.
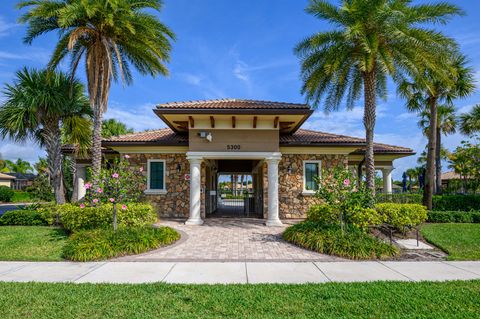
x=175, y=203
x=292, y=203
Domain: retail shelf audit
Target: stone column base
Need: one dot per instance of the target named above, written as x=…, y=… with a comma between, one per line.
x=273, y=223
x=194, y=222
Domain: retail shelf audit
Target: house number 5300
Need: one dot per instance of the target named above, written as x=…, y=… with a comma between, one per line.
x=233, y=147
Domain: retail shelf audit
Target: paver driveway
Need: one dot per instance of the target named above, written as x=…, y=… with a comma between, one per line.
x=229, y=239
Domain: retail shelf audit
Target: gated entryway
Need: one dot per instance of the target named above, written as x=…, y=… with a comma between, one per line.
x=236, y=194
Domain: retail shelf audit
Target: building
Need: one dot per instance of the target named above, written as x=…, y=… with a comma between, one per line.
x=6, y=180
x=22, y=180
x=206, y=140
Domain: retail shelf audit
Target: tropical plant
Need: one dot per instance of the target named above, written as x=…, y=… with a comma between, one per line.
x=470, y=122
x=372, y=40
x=446, y=125
x=112, y=127
x=111, y=36
x=38, y=106
x=428, y=90
x=41, y=166
x=465, y=161
x=19, y=166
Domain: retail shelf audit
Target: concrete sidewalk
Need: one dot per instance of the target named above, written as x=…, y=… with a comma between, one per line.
x=236, y=272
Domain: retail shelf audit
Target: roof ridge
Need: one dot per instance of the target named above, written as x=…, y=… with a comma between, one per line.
x=193, y=102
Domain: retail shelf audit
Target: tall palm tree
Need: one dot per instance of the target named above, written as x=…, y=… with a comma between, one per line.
x=446, y=125
x=112, y=127
x=425, y=92
x=111, y=36
x=470, y=122
x=372, y=39
x=38, y=106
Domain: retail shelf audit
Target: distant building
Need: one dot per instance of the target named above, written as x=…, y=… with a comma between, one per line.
x=6, y=180
x=21, y=180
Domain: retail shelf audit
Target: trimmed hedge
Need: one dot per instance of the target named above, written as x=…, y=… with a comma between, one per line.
x=440, y=202
x=453, y=217
x=101, y=244
x=402, y=216
x=353, y=243
x=6, y=194
x=23, y=218
x=75, y=218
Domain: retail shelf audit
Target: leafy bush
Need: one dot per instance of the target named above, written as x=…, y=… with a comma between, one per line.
x=456, y=202
x=363, y=217
x=101, y=244
x=6, y=194
x=323, y=213
x=330, y=239
x=41, y=188
x=75, y=218
x=22, y=218
x=402, y=216
x=453, y=217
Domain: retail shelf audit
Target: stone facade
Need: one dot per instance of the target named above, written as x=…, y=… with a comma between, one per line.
x=292, y=202
x=175, y=202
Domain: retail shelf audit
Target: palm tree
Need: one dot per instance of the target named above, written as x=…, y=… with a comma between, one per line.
x=19, y=166
x=470, y=122
x=446, y=124
x=38, y=106
x=112, y=127
x=111, y=36
x=372, y=40
x=425, y=92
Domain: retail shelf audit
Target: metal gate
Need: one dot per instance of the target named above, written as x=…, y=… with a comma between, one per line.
x=239, y=205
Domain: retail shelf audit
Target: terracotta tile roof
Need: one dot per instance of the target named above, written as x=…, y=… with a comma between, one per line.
x=299, y=138
x=163, y=136
x=232, y=104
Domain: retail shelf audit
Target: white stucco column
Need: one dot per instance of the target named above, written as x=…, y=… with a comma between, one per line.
x=81, y=177
x=387, y=179
x=272, y=209
x=195, y=191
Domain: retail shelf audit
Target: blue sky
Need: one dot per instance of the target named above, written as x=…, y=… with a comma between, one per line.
x=237, y=49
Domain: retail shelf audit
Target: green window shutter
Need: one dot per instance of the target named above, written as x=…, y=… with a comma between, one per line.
x=156, y=175
x=311, y=175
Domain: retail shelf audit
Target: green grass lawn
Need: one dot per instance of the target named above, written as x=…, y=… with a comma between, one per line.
x=332, y=300
x=460, y=241
x=21, y=197
x=35, y=243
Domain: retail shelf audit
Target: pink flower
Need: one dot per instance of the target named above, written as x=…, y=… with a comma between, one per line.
x=99, y=190
x=111, y=200
x=346, y=182
x=141, y=169
x=87, y=186
x=127, y=156
x=115, y=175
x=95, y=200
x=124, y=206
x=82, y=205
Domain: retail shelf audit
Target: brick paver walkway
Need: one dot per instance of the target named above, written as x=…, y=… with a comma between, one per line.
x=229, y=239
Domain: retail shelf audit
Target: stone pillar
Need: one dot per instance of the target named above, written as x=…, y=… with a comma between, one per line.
x=81, y=177
x=272, y=217
x=195, y=191
x=387, y=180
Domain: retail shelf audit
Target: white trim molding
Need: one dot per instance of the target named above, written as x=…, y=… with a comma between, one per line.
x=150, y=191
x=306, y=191
x=234, y=155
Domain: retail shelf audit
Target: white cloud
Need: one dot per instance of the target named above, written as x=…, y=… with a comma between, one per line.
x=6, y=27
x=27, y=151
x=34, y=54
x=139, y=118
x=208, y=89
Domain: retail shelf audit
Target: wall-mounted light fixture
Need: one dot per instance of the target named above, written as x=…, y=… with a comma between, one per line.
x=179, y=168
x=289, y=169
x=206, y=135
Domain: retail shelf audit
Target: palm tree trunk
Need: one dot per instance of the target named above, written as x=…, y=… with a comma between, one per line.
x=438, y=162
x=432, y=143
x=97, y=143
x=369, y=123
x=54, y=157
x=73, y=164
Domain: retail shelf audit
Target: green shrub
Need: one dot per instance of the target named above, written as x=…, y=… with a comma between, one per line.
x=330, y=239
x=363, y=217
x=453, y=217
x=402, y=198
x=101, y=244
x=22, y=218
x=6, y=194
x=402, y=216
x=456, y=202
x=323, y=213
x=75, y=218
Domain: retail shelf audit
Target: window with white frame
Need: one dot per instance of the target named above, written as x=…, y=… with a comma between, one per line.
x=156, y=176
x=311, y=172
